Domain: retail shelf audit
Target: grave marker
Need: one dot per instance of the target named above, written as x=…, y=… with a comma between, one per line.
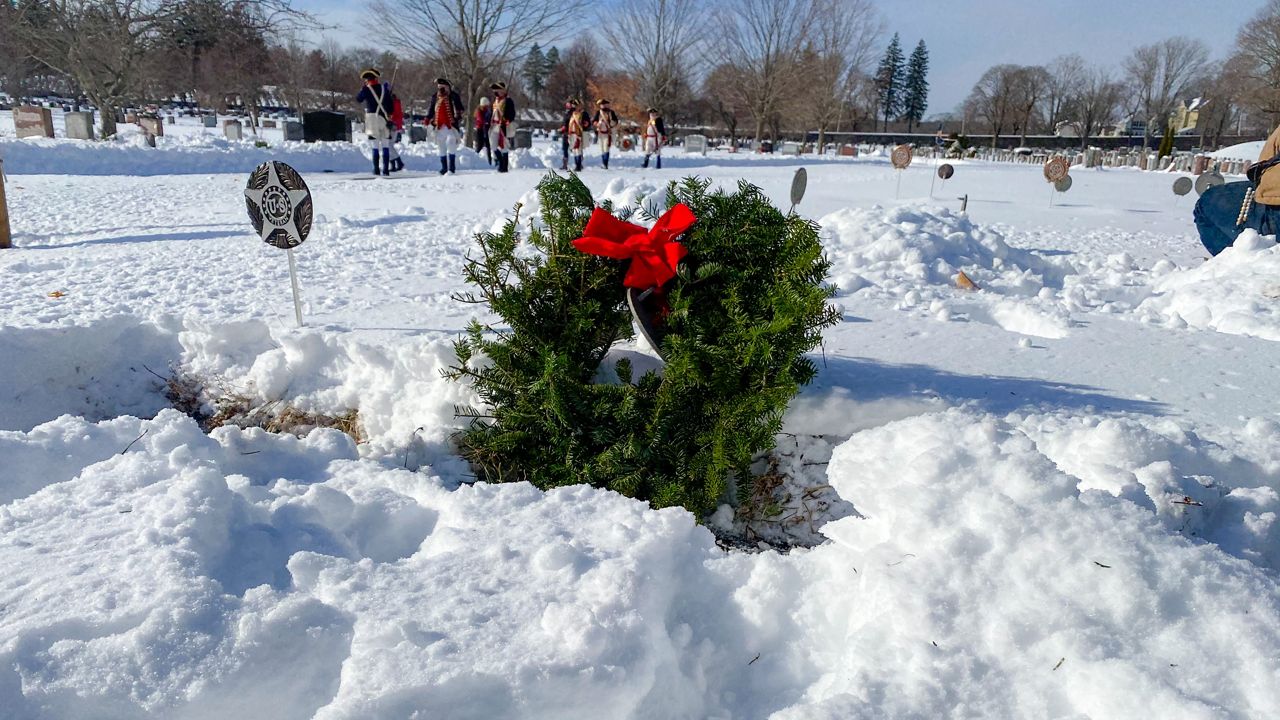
x=280, y=209
x=33, y=121
x=79, y=125
x=5, y=238
x=292, y=131
x=695, y=144
x=152, y=126
x=233, y=130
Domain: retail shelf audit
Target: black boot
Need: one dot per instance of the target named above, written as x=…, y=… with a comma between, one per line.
x=645, y=164
x=397, y=165
x=659, y=162
x=453, y=164
x=376, y=169
x=577, y=163
x=502, y=161
x=605, y=158
x=444, y=165
x=386, y=161
x=564, y=163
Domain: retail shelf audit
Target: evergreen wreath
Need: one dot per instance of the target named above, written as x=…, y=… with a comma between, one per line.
x=748, y=301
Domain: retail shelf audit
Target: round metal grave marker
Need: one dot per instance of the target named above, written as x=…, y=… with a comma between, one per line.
x=945, y=171
x=1056, y=168
x=1208, y=180
x=901, y=156
x=279, y=205
x=798, y=185
x=1063, y=185
x=1182, y=186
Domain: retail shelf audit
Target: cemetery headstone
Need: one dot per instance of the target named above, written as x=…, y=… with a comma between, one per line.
x=524, y=138
x=131, y=118
x=695, y=144
x=281, y=211
x=325, y=126
x=152, y=126
x=33, y=121
x=171, y=120
x=268, y=124
x=79, y=125
x=292, y=131
x=417, y=134
x=233, y=130
x=209, y=121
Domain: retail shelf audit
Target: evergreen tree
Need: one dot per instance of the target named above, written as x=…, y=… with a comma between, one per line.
x=535, y=73
x=550, y=61
x=915, y=98
x=890, y=78
x=1166, y=143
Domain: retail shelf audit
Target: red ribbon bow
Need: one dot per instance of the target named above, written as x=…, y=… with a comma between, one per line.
x=654, y=253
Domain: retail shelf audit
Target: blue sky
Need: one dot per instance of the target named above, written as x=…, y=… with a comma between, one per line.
x=965, y=37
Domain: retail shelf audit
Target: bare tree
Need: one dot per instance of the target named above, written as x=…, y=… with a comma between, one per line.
x=105, y=45
x=1098, y=101
x=1258, y=61
x=1029, y=84
x=578, y=68
x=723, y=91
x=994, y=99
x=474, y=39
x=1066, y=76
x=838, y=59
x=660, y=39
x=1161, y=73
x=763, y=40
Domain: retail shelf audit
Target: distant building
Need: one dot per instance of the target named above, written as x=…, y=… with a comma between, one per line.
x=1187, y=115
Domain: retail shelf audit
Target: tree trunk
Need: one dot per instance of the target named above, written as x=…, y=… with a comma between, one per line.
x=108, y=113
x=822, y=139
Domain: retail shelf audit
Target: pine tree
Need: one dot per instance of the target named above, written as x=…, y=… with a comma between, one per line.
x=535, y=73
x=1166, y=142
x=890, y=77
x=747, y=303
x=550, y=61
x=916, y=87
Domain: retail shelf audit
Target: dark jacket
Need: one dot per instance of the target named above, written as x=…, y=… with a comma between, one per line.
x=603, y=113
x=660, y=126
x=458, y=111
x=369, y=95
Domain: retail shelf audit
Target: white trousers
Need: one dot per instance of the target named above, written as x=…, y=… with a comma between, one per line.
x=498, y=140
x=447, y=141
x=652, y=146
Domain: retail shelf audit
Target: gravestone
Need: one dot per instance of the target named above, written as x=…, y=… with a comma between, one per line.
x=171, y=120
x=326, y=126
x=789, y=148
x=417, y=134
x=79, y=125
x=523, y=139
x=266, y=124
x=33, y=121
x=695, y=144
x=152, y=126
x=292, y=131
x=233, y=130
x=848, y=151
x=210, y=121
x=131, y=118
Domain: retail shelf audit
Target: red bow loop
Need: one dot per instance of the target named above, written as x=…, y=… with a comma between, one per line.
x=654, y=254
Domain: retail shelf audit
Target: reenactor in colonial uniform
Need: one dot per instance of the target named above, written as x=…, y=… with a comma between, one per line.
x=655, y=136
x=445, y=114
x=570, y=109
x=576, y=134
x=482, y=130
x=377, y=99
x=502, y=116
x=605, y=121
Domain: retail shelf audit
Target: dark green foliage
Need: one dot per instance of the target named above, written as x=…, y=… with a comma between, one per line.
x=1166, y=142
x=748, y=302
x=890, y=78
x=915, y=98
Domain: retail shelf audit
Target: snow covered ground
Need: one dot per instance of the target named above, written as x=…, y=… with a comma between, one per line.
x=1055, y=496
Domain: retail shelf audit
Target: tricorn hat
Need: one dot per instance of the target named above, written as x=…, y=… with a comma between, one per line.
x=498, y=86
x=602, y=101
x=370, y=74
x=652, y=111
x=442, y=81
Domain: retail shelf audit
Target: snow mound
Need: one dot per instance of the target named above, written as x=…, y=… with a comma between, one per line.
x=1244, y=151
x=977, y=575
x=1235, y=292
x=913, y=256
